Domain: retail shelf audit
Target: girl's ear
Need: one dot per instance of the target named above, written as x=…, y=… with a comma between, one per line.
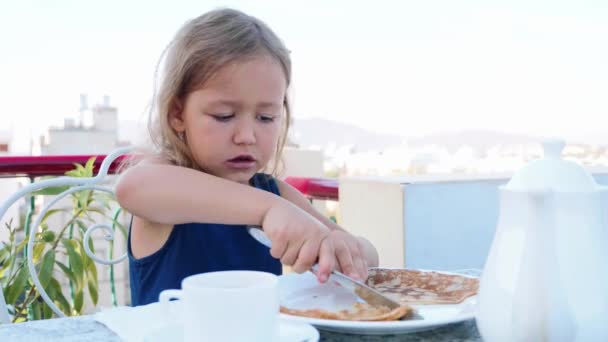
x=176, y=116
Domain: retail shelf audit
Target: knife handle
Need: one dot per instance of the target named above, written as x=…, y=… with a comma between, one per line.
x=257, y=233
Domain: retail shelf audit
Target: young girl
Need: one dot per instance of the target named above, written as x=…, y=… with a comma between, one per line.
x=221, y=116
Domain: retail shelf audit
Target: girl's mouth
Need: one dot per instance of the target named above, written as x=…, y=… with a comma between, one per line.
x=243, y=161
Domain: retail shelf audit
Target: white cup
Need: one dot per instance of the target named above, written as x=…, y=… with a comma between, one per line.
x=227, y=306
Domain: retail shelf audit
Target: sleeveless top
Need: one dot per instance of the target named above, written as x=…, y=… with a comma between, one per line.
x=194, y=248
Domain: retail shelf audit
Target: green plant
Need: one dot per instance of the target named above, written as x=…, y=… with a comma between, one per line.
x=58, y=254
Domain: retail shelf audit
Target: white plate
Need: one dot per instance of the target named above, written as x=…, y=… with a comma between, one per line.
x=303, y=291
x=289, y=331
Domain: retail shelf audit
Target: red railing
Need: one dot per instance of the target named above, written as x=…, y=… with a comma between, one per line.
x=35, y=166
x=316, y=188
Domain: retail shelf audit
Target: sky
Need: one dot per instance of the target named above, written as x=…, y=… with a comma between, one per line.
x=399, y=67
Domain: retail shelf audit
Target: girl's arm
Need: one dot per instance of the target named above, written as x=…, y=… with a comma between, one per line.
x=168, y=194
x=293, y=195
x=164, y=195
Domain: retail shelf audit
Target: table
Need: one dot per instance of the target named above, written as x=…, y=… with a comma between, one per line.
x=85, y=328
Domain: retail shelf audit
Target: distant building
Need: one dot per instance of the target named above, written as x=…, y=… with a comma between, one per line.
x=5, y=142
x=96, y=132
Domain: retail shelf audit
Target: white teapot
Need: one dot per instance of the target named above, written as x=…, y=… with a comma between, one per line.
x=546, y=276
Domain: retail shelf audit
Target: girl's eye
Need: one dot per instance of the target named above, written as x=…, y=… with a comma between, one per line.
x=223, y=117
x=265, y=118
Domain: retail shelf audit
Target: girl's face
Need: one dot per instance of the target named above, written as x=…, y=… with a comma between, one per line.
x=232, y=124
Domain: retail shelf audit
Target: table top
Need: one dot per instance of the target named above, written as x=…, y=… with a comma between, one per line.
x=85, y=328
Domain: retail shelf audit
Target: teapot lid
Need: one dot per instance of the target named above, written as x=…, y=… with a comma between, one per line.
x=552, y=172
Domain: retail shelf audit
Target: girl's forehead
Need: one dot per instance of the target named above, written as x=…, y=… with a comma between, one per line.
x=258, y=67
x=260, y=77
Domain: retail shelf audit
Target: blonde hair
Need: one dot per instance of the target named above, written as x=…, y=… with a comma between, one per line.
x=199, y=49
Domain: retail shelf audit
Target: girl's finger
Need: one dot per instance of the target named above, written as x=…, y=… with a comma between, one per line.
x=365, y=269
x=306, y=256
x=358, y=262
x=345, y=260
x=291, y=253
x=279, y=246
x=327, y=260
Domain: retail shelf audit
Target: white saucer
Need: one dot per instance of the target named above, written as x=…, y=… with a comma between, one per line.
x=289, y=331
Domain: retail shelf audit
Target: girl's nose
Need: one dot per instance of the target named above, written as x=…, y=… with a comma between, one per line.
x=244, y=134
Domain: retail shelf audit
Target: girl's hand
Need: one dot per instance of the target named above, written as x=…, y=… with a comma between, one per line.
x=296, y=238
x=347, y=254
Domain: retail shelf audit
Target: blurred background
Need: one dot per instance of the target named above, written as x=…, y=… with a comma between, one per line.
x=380, y=88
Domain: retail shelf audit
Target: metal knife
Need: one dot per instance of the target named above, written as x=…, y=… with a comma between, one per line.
x=365, y=293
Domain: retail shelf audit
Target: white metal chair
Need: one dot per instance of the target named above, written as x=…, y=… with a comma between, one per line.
x=76, y=184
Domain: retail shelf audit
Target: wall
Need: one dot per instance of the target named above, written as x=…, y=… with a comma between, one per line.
x=302, y=163
x=442, y=223
x=80, y=142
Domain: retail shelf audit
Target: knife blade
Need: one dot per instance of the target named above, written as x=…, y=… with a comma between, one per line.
x=363, y=292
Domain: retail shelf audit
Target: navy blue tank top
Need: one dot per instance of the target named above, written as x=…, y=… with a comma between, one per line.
x=194, y=248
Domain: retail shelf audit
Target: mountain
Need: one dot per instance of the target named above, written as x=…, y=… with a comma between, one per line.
x=318, y=132
x=477, y=139
x=322, y=133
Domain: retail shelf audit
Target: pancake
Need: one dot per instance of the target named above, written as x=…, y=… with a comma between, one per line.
x=408, y=287
x=411, y=287
x=359, y=312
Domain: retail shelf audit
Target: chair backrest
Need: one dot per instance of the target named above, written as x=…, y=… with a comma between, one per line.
x=73, y=185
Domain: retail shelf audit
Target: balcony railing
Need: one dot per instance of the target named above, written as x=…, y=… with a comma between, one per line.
x=56, y=165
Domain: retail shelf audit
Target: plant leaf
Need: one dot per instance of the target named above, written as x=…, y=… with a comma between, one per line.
x=78, y=300
x=83, y=200
x=46, y=310
x=36, y=310
x=18, y=286
x=21, y=246
x=76, y=264
x=67, y=271
x=73, y=173
x=58, y=297
x=91, y=269
x=90, y=197
x=97, y=210
x=91, y=273
x=49, y=213
x=82, y=226
x=91, y=247
x=5, y=259
x=81, y=170
x=93, y=291
x=46, y=268
x=105, y=200
x=38, y=249
x=5, y=252
x=51, y=191
x=89, y=166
